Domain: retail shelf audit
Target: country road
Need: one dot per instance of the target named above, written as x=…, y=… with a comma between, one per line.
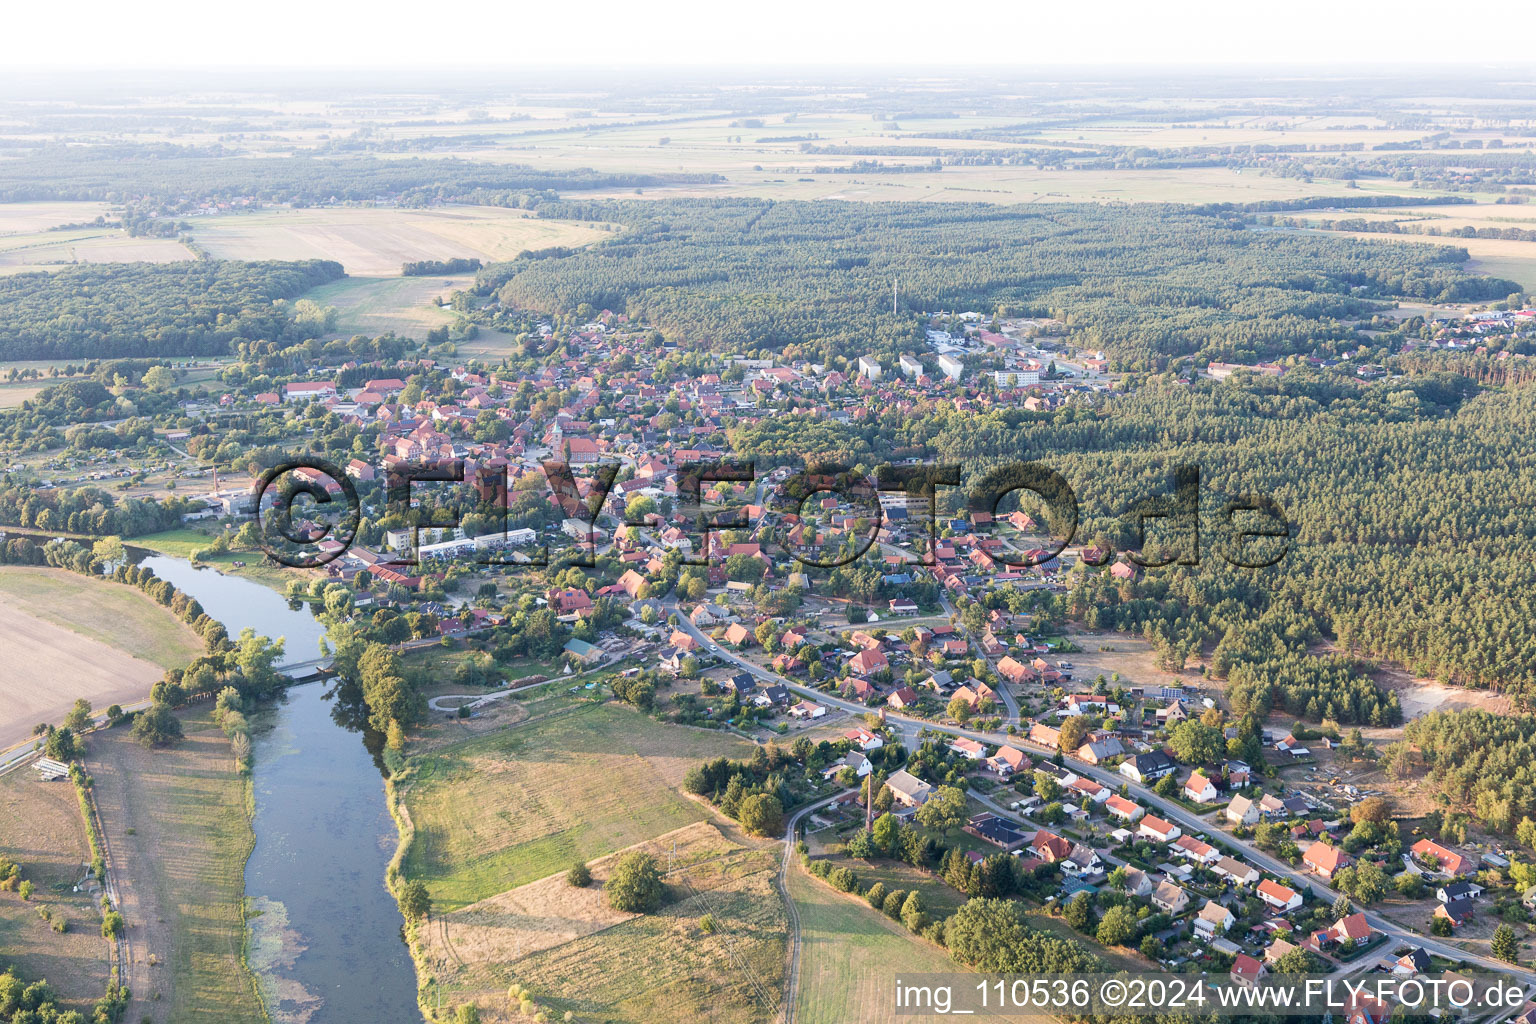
x=792, y=975
x=908, y=728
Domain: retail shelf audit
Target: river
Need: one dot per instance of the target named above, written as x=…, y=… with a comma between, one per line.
x=325, y=933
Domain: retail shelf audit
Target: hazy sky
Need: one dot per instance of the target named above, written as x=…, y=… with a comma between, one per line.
x=321, y=34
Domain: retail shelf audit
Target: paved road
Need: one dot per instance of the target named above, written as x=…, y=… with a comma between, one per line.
x=1167, y=809
x=1004, y=687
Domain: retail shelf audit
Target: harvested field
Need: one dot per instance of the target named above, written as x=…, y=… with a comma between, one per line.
x=374, y=242
x=41, y=829
x=77, y=638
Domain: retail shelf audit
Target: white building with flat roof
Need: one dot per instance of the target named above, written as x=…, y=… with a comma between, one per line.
x=869, y=367
x=951, y=367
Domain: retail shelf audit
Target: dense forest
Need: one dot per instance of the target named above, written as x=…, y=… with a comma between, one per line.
x=178, y=178
x=155, y=309
x=1405, y=501
x=1148, y=283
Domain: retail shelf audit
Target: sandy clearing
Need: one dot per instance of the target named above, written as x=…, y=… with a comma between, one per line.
x=46, y=667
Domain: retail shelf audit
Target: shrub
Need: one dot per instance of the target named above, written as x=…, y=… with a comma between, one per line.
x=876, y=895
x=415, y=901
x=112, y=925
x=580, y=876
x=707, y=924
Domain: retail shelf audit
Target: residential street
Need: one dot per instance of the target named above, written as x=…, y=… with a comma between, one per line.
x=909, y=727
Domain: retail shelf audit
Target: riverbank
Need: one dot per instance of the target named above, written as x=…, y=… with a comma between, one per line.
x=181, y=543
x=179, y=824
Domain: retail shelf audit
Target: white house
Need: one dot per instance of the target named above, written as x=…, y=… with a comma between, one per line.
x=1279, y=896
x=968, y=749
x=864, y=739
x=950, y=366
x=1199, y=788
x=1214, y=919
x=1241, y=811
x=1158, y=830
x=853, y=759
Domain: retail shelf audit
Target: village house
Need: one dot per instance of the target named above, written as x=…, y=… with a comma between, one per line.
x=1147, y=767
x=1324, y=859
x=853, y=759
x=995, y=830
x=1137, y=883
x=1242, y=811
x=1049, y=847
x=1199, y=789
x=1246, y=971
x=1125, y=810
x=1170, y=898
x=907, y=789
x=1081, y=861
x=1008, y=760
x=1158, y=830
x=1440, y=858
x=1044, y=736
x=968, y=749
x=1351, y=931
x=1278, y=896
x=1213, y=919
x=864, y=739
x=1193, y=849
x=1236, y=871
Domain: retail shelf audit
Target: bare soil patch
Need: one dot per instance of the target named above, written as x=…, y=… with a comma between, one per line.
x=47, y=667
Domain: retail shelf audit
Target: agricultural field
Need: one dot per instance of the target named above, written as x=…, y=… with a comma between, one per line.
x=379, y=305
x=374, y=242
x=582, y=956
x=178, y=827
x=41, y=829
x=44, y=250
x=63, y=636
x=497, y=811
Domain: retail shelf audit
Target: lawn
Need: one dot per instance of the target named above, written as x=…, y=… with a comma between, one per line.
x=181, y=543
x=178, y=825
x=939, y=898
x=41, y=829
x=497, y=811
